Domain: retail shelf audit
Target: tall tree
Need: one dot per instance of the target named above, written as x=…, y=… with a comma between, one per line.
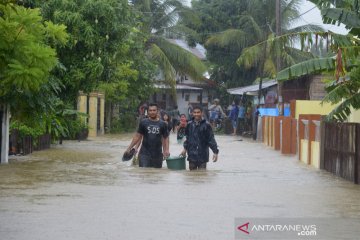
x=98, y=45
x=166, y=18
x=265, y=55
x=229, y=27
x=217, y=17
x=105, y=52
x=344, y=87
x=27, y=53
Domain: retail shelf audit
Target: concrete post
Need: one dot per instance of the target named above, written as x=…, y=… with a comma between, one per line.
x=93, y=106
x=82, y=104
x=5, y=135
x=101, y=97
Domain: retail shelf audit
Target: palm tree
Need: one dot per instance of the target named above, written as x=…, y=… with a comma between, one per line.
x=258, y=23
x=162, y=18
x=344, y=88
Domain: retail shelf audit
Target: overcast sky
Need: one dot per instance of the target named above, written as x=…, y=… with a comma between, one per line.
x=314, y=17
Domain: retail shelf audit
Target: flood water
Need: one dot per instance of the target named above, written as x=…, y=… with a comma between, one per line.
x=82, y=190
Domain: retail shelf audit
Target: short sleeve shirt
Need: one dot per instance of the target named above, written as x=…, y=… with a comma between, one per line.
x=153, y=132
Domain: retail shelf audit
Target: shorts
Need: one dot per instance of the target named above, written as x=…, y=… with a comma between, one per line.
x=213, y=116
x=234, y=123
x=197, y=165
x=150, y=161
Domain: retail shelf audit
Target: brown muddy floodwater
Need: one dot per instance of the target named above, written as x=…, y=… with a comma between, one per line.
x=83, y=191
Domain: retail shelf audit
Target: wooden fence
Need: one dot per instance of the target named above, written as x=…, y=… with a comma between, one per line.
x=340, y=150
x=26, y=145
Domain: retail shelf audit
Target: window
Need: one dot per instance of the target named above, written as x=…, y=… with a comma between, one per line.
x=199, y=98
x=164, y=97
x=187, y=97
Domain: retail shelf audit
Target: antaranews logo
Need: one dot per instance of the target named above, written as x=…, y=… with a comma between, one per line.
x=244, y=228
x=297, y=228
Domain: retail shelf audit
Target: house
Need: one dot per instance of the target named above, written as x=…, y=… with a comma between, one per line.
x=187, y=90
x=304, y=88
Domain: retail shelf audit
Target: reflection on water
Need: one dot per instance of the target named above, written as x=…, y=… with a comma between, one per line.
x=96, y=165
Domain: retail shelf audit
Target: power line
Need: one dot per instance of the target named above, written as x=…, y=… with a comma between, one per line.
x=304, y=13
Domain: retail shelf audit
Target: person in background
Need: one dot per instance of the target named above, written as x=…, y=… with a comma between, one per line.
x=233, y=116
x=248, y=117
x=241, y=118
x=256, y=117
x=143, y=110
x=175, y=115
x=190, y=109
x=181, y=128
x=216, y=112
x=199, y=138
x=167, y=119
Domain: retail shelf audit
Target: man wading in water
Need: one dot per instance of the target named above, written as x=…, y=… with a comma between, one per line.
x=199, y=137
x=155, y=139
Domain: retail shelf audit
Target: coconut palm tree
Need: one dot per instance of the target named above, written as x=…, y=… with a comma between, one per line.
x=344, y=87
x=161, y=19
x=258, y=23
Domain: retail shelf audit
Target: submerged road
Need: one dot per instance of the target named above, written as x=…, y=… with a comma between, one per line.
x=83, y=191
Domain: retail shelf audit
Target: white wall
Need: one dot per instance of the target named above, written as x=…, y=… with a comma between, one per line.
x=193, y=98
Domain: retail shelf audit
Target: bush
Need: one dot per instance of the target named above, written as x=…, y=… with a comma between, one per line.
x=126, y=123
x=77, y=129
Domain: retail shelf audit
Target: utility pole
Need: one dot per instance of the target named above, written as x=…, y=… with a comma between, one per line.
x=4, y=121
x=278, y=59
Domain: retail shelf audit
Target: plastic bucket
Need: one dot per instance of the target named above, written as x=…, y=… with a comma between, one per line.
x=176, y=163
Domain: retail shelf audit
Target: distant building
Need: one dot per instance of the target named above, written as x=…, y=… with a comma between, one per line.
x=304, y=88
x=187, y=90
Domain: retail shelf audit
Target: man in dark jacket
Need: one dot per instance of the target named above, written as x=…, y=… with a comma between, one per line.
x=199, y=138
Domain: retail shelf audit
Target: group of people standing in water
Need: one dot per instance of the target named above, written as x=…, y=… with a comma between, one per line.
x=153, y=132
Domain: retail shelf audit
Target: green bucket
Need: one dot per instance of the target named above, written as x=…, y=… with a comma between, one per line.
x=176, y=163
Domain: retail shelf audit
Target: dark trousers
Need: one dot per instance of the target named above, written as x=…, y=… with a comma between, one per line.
x=150, y=161
x=197, y=166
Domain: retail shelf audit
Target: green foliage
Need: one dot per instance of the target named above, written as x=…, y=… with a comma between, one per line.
x=223, y=29
x=75, y=126
x=26, y=57
x=25, y=130
x=100, y=42
x=182, y=61
x=164, y=63
x=125, y=123
x=265, y=53
x=344, y=90
x=346, y=94
x=169, y=18
x=307, y=67
x=106, y=51
x=232, y=28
